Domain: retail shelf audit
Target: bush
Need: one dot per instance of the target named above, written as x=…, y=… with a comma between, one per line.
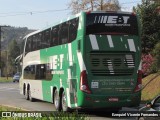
x=147, y=61
x=156, y=53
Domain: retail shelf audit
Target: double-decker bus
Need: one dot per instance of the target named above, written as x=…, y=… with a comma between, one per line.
x=90, y=60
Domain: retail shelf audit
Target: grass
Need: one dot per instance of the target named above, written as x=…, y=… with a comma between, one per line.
x=6, y=108
x=45, y=116
x=152, y=89
x=4, y=79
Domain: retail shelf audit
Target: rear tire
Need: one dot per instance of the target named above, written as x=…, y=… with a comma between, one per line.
x=27, y=94
x=30, y=96
x=57, y=101
x=65, y=107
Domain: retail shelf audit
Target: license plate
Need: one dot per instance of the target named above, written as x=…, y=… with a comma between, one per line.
x=113, y=99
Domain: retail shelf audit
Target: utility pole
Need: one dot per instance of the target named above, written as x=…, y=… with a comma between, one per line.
x=1, y=26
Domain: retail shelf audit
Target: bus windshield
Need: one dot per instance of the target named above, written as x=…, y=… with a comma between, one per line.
x=111, y=23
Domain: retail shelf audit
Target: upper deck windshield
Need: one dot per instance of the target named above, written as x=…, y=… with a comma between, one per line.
x=111, y=23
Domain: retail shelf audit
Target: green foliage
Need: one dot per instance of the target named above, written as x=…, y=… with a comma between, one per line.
x=4, y=79
x=149, y=14
x=10, y=47
x=14, y=50
x=43, y=116
x=156, y=64
x=66, y=116
x=149, y=17
x=8, y=58
x=2, y=64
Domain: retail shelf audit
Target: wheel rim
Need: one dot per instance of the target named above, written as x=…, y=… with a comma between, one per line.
x=26, y=94
x=64, y=102
x=56, y=100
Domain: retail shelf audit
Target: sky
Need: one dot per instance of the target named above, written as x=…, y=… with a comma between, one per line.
x=38, y=14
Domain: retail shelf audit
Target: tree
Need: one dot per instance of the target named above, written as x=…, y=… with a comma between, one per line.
x=87, y=5
x=111, y=5
x=156, y=64
x=14, y=51
x=149, y=17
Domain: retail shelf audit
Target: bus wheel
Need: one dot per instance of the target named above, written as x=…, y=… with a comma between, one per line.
x=30, y=97
x=27, y=94
x=57, y=101
x=65, y=107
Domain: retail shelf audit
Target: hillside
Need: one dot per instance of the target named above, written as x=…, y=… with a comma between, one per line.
x=13, y=33
x=11, y=39
x=152, y=89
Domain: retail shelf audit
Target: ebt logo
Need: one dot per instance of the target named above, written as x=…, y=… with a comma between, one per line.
x=111, y=19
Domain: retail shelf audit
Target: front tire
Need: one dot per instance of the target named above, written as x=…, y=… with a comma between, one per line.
x=57, y=101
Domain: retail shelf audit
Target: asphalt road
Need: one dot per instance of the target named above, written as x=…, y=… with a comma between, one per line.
x=10, y=96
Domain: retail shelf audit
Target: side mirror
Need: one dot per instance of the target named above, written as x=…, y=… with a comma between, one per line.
x=149, y=105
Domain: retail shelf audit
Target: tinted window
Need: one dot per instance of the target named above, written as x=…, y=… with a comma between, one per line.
x=28, y=45
x=39, y=37
x=42, y=40
x=111, y=23
x=29, y=72
x=54, y=36
x=73, y=28
x=63, y=33
x=38, y=72
x=47, y=38
x=34, y=45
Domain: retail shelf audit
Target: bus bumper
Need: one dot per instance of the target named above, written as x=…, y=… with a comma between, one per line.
x=114, y=101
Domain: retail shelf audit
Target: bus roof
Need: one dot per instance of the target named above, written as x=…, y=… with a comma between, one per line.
x=119, y=12
x=32, y=33
x=48, y=27
x=73, y=16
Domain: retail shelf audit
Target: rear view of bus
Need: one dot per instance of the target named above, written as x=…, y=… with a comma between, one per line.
x=111, y=76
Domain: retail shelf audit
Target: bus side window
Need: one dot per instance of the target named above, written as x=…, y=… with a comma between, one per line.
x=34, y=45
x=31, y=44
x=42, y=40
x=54, y=36
x=39, y=36
x=29, y=72
x=73, y=28
x=26, y=72
x=48, y=72
x=40, y=71
x=47, y=38
x=28, y=45
x=63, y=33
